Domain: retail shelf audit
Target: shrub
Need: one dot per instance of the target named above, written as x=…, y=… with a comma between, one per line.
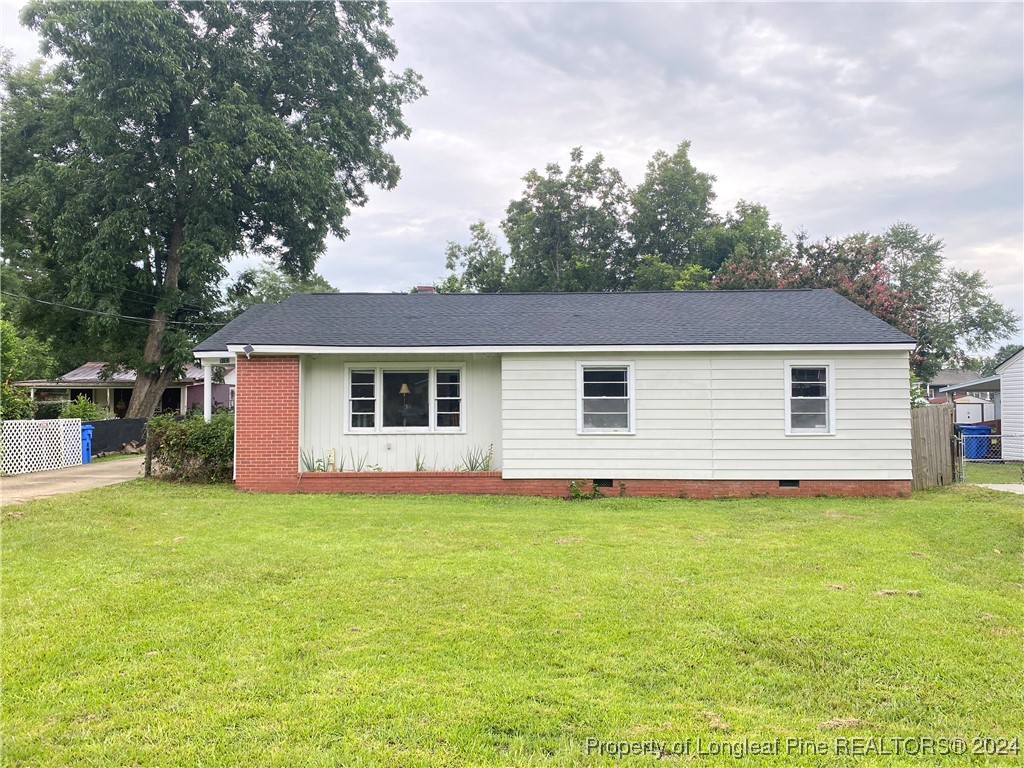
x=15, y=403
x=50, y=409
x=190, y=450
x=85, y=409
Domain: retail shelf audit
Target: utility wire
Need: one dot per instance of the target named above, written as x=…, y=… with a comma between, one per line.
x=153, y=296
x=129, y=318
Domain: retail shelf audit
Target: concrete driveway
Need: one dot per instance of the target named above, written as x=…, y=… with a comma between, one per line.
x=38, y=485
x=1008, y=487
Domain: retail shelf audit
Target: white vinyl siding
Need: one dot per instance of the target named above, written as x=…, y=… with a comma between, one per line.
x=716, y=415
x=1011, y=384
x=326, y=403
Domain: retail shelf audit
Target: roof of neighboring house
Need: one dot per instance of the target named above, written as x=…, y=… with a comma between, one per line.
x=1011, y=359
x=787, y=317
x=91, y=375
x=987, y=384
x=949, y=377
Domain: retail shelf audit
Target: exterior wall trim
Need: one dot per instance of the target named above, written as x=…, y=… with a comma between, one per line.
x=298, y=349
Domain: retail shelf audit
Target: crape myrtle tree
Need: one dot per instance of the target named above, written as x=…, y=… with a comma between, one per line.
x=900, y=277
x=165, y=137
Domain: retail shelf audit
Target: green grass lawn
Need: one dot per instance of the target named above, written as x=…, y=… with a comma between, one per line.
x=982, y=472
x=151, y=624
x=115, y=457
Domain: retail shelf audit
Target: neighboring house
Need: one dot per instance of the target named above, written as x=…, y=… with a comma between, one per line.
x=1006, y=391
x=948, y=377
x=115, y=391
x=716, y=393
x=1011, y=374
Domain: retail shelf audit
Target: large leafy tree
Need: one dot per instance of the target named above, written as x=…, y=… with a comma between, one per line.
x=267, y=284
x=566, y=233
x=956, y=313
x=479, y=266
x=672, y=216
x=166, y=137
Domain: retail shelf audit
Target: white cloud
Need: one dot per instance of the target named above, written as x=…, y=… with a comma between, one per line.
x=839, y=117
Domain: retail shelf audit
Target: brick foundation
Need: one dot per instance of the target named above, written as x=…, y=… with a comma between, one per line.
x=492, y=483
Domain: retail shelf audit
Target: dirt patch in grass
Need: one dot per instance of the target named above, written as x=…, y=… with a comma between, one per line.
x=835, y=514
x=845, y=722
x=715, y=721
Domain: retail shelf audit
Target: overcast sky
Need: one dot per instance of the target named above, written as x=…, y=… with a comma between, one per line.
x=839, y=118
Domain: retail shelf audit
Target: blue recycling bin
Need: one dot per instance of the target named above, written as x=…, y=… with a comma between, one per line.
x=87, y=443
x=975, y=440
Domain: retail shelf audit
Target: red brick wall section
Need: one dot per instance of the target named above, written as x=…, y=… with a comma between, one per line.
x=267, y=423
x=492, y=483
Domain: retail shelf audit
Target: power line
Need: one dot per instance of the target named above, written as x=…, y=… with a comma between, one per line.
x=129, y=318
x=144, y=294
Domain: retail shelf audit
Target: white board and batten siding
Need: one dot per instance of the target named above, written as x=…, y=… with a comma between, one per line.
x=1011, y=384
x=323, y=411
x=716, y=415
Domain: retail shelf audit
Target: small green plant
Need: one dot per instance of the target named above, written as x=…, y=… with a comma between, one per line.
x=421, y=464
x=311, y=463
x=375, y=468
x=308, y=462
x=477, y=459
x=85, y=409
x=576, y=493
x=357, y=464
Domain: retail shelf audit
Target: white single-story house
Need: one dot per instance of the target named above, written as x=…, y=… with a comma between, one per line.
x=113, y=390
x=702, y=393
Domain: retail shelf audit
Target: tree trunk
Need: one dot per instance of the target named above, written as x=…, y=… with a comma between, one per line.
x=147, y=392
x=149, y=387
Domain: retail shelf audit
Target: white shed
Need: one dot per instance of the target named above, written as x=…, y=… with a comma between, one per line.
x=972, y=410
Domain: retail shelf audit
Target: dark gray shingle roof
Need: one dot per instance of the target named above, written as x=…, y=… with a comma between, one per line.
x=554, y=319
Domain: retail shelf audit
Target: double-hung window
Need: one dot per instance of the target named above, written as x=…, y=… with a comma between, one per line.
x=605, y=398
x=404, y=399
x=810, y=405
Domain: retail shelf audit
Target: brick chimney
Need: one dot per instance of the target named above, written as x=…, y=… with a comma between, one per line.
x=425, y=289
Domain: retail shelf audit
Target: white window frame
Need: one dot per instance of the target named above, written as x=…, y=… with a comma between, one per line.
x=630, y=389
x=830, y=393
x=378, y=383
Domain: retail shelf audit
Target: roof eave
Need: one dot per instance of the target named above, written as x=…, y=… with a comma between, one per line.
x=298, y=349
x=978, y=385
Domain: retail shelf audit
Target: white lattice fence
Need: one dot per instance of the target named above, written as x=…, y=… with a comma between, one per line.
x=34, y=446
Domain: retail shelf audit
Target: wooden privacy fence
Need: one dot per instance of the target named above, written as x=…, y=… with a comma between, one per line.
x=931, y=439
x=34, y=446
